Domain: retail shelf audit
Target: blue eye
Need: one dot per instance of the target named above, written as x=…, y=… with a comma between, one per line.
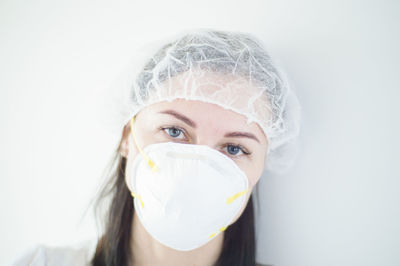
x=236, y=150
x=233, y=150
x=173, y=132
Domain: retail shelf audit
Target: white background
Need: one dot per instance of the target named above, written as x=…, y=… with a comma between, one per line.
x=339, y=205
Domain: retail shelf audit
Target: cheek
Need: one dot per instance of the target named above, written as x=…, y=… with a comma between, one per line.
x=253, y=172
x=143, y=138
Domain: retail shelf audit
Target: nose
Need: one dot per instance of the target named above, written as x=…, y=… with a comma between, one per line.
x=207, y=139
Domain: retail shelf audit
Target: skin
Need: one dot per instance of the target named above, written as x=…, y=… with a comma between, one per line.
x=192, y=122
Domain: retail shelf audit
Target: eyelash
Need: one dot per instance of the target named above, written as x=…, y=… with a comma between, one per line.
x=242, y=149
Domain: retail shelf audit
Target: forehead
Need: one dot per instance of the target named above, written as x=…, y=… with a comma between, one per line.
x=209, y=118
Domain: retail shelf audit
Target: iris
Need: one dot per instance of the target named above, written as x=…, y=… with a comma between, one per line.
x=233, y=149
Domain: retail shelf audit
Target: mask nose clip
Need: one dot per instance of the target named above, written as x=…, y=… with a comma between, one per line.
x=188, y=156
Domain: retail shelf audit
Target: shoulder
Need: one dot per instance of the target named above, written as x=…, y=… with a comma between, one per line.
x=41, y=255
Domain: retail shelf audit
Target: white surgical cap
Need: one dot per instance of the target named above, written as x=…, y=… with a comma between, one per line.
x=186, y=66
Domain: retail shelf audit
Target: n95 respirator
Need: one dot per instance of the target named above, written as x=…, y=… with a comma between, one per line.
x=186, y=194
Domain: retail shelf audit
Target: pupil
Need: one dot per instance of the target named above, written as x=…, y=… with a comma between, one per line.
x=174, y=132
x=233, y=149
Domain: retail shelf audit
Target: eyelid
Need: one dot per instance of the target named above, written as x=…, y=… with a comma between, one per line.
x=176, y=127
x=244, y=150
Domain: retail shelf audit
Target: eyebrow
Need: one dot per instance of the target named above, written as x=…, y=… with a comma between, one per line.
x=181, y=117
x=191, y=123
x=241, y=135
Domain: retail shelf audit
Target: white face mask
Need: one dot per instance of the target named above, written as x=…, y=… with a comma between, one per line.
x=185, y=194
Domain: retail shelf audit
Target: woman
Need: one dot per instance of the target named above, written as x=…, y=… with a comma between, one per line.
x=205, y=116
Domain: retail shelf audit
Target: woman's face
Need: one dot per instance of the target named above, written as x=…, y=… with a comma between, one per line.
x=196, y=122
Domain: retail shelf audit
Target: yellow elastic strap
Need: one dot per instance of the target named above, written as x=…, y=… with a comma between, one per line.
x=149, y=161
x=237, y=195
x=223, y=228
x=138, y=197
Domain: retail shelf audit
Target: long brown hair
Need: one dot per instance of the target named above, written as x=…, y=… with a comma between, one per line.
x=113, y=248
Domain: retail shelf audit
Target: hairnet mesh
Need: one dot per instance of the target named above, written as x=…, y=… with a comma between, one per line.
x=214, y=66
